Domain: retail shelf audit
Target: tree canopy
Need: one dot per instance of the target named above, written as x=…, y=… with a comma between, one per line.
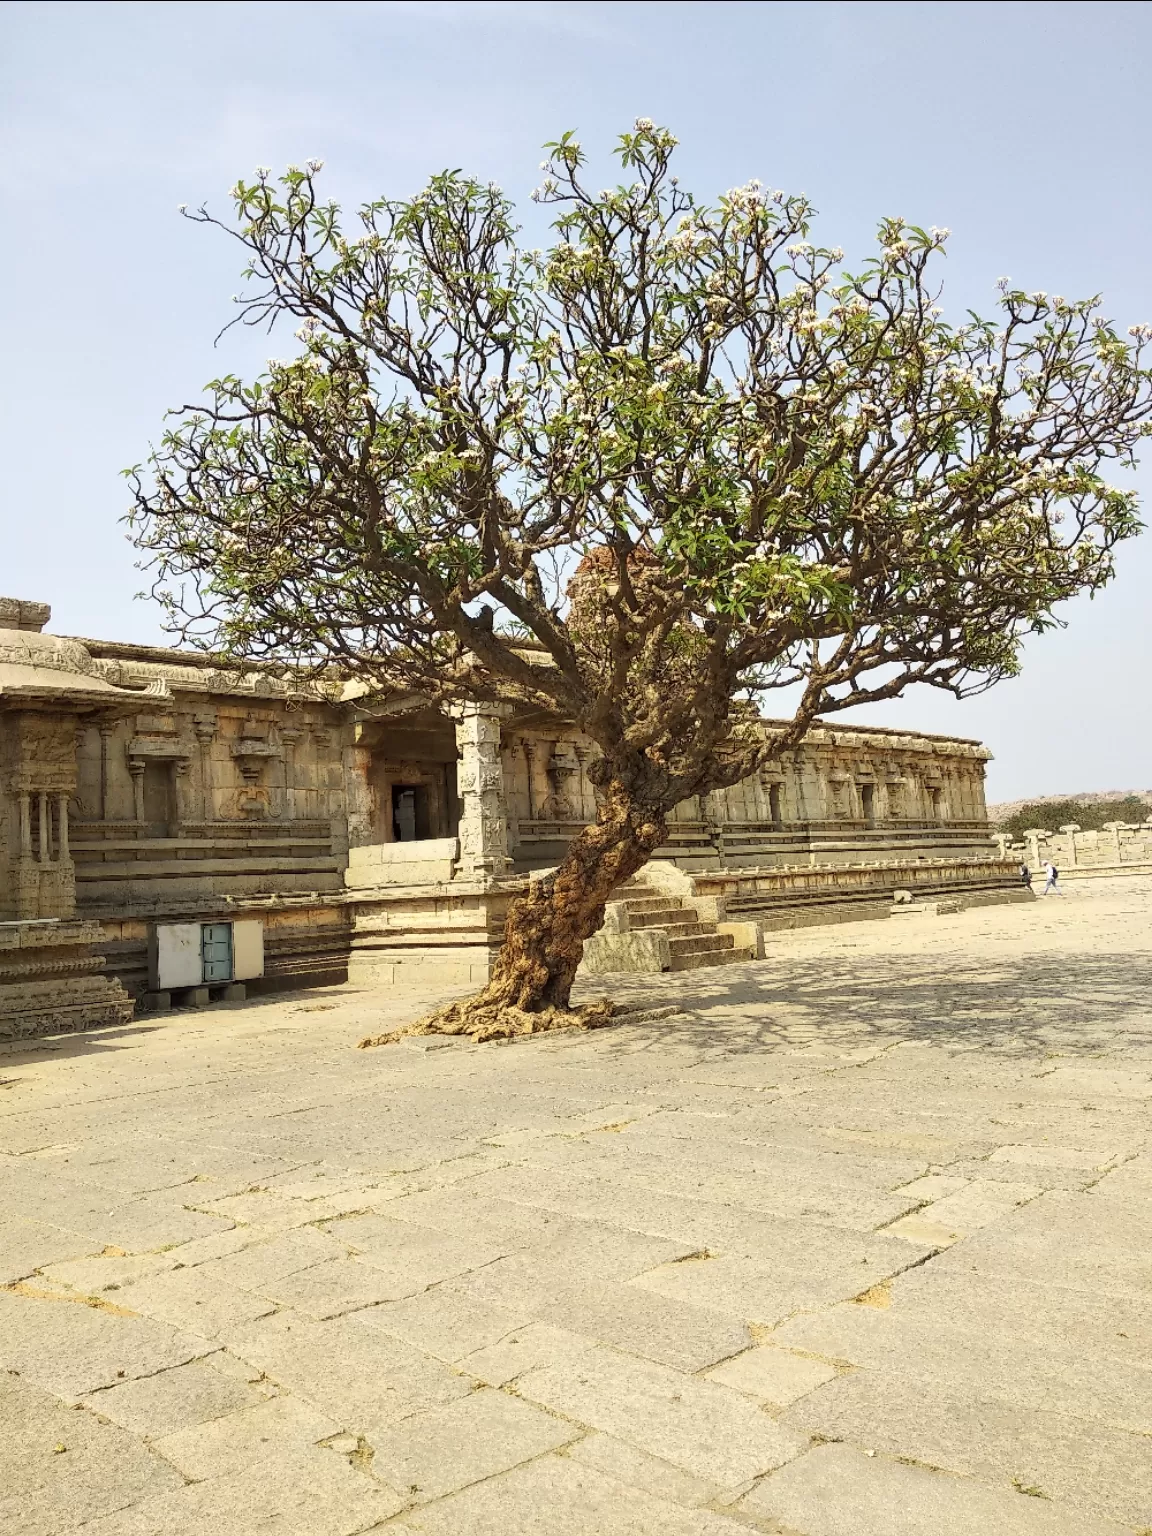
x=1088, y=814
x=678, y=460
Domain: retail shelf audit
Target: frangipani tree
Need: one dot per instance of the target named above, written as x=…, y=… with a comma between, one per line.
x=675, y=462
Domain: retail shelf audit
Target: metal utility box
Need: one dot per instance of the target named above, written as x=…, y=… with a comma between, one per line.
x=205, y=954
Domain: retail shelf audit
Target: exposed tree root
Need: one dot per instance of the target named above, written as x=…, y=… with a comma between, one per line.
x=484, y=1020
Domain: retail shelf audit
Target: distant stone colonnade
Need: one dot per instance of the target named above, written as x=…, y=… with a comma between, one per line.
x=1070, y=848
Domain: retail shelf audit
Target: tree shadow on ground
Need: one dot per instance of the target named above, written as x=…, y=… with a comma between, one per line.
x=1038, y=1005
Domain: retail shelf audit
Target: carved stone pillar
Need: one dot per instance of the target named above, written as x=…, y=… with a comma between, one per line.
x=180, y=795
x=62, y=852
x=204, y=728
x=45, y=830
x=480, y=781
x=25, y=825
x=583, y=755
x=136, y=769
x=530, y=761
x=289, y=736
x=107, y=729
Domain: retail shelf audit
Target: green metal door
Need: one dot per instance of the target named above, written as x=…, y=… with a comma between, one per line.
x=216, y=950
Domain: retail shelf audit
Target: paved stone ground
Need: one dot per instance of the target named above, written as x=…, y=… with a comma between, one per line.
x=860, y=1244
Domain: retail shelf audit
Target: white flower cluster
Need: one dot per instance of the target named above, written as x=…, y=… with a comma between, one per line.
x=1140, y=332
x=644, y=125
x=856, y=305
x=745, y=199
x=684, y=240
x=314, y=166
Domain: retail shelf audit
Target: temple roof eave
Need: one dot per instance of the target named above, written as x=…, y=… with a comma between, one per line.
x=22, y=685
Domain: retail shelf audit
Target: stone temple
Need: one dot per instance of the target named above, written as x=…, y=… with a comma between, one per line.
x=173, y=831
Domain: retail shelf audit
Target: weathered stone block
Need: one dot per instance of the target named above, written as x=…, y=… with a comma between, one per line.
x=427, y=862
x=642, y=950
x=745, y=936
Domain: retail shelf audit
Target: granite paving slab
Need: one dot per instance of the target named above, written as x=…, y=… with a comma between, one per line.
x=837, y=1490
x=559, y=1496
x=706, y=1429
x=59, y=1467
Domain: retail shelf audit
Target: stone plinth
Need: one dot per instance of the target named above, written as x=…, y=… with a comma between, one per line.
x=52, y=981
x=419, y=938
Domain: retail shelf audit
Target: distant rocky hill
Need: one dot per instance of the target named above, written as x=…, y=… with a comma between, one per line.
x=1006, y=811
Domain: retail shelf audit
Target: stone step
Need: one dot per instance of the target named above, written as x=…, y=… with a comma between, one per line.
x=698, y=944
x=641, y=908
x=669, y=920
x=661, y=919
x=694, y=962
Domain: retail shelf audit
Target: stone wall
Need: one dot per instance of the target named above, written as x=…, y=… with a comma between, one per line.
x=847, y=795
x=217, y=781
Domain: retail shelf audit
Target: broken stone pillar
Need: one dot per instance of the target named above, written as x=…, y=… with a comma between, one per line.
x=1032, y=836
x=480, y=785
x=1070, y=830
x=1114, y=828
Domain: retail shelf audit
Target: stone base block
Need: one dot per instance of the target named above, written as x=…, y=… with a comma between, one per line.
x=193, y=997
x=155, y=1002
x=235, y=992
x=641, y=949
x=430, y=969
x=748, y=937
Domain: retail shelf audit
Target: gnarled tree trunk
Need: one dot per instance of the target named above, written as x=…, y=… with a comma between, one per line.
x=544, y=937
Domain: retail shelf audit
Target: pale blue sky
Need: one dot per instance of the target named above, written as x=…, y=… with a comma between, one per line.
x=1023, y=127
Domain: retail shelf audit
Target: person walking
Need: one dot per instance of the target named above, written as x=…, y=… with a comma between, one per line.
x=1051, y=875
x=1025, y=876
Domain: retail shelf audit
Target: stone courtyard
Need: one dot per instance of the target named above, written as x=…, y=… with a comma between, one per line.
x=857, y=1243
